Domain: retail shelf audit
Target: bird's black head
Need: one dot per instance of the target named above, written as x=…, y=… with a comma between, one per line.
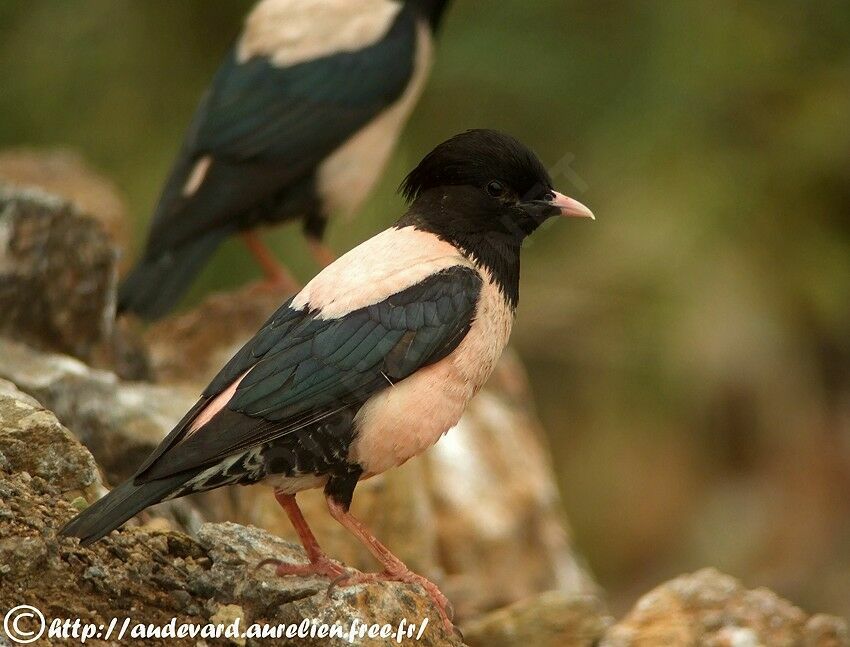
x=485, y=192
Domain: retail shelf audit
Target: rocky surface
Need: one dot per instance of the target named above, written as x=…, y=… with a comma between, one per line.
x=710, y=608
x=57, y=275
x=705, y=608
x=57, y=283
x=33, y=441
x=66, y=174
x=552, y=619
x=148, y=574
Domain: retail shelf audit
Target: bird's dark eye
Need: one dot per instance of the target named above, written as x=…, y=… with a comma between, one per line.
x=495, y=189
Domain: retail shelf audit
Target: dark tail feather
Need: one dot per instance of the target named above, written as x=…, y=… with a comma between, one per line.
x=123, y=502
x=155, y=284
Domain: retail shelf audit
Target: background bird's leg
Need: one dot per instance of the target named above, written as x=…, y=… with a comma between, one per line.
x=323, y=254
x=320, y=563
x=394, y=569
x=275, y=273
x=315, y=224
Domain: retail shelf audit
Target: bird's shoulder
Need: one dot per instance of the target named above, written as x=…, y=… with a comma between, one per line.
x=289, y=32
x=383, y=265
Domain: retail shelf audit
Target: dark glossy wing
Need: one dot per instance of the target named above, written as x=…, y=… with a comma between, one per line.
x=257, y=111
x=302, y=369
x=267, y=127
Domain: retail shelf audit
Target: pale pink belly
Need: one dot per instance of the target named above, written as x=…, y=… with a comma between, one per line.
x=404, y=420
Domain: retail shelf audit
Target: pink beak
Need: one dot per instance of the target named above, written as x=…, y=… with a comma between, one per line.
x=570, y=207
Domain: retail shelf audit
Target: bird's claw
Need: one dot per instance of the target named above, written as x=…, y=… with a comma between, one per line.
x=323, y=567
x=266, y=562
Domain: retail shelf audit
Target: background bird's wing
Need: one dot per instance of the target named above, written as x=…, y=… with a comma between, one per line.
x=265, y=127
x=301, y=368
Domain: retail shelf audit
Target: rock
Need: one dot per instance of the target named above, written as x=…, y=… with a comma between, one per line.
x=57, y=272
x=232, y=547
x=154, y=576
x=120, y=422
x=32, y=441
x=502, y=536
x=65, y=173
x=822, y=630
x=192, y=347
x=552, y=619
x=58, y=281
x=710, y=608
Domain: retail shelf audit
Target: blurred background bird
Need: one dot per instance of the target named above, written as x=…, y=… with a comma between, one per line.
x=298, y=123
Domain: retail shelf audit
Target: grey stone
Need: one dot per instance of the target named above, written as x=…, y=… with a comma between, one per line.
x=120, y=422
x=58, y=280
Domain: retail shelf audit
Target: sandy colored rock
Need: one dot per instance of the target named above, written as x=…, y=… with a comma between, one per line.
x=66, y=174
x=501, y=531
x=58, y=281
x=32, y=441
x=822, y=630
x=713, y=609
x=151, y=576
x=57, y=274
x=552, y=619
x=154, y=576
x=192, y=347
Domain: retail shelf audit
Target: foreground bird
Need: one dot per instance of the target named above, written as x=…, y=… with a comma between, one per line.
x=298, y=123
x=371, y=362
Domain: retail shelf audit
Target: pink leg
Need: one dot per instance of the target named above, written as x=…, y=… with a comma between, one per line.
x=394, y=569
x=277, y=275
x=320, y=564
x=320, y=252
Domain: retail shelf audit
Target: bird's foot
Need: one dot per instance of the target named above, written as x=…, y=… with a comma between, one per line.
x=321, y=567
x=277, y=277
x=444, y=607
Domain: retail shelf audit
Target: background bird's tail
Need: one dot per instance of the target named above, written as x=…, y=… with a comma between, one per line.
x=123, y=502
x=156, y=283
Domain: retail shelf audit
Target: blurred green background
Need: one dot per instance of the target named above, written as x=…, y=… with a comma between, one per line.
x=690, y=350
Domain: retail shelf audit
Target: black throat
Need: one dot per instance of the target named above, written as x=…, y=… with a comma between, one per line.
x=490, y=240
